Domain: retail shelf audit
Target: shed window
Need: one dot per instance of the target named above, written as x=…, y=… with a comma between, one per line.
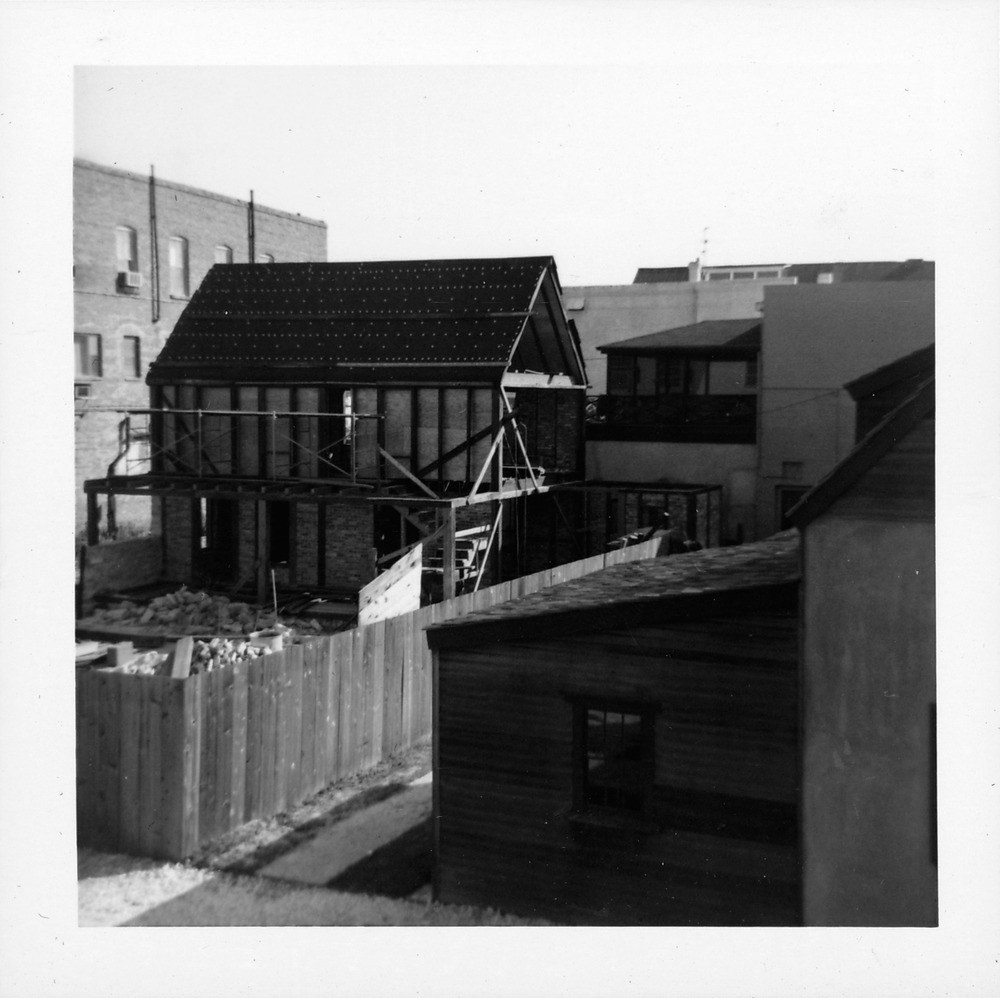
x=614, y=757
x=178, y=259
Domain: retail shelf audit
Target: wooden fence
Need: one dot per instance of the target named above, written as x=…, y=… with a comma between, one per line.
x=165, y=765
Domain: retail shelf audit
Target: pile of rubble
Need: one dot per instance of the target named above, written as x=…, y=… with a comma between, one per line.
x=189, y=612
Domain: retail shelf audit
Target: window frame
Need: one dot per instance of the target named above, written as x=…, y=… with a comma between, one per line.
x=225, y=251
x=179, y=274
x=127, y=264
x=644, y=767
x=92, y=338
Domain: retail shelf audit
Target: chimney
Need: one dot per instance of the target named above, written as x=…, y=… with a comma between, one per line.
x=694, y=271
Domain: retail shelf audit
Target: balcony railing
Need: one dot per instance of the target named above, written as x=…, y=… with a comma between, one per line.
x=673, y=418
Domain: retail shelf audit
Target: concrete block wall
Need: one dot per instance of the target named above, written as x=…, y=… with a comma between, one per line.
x=104, y=198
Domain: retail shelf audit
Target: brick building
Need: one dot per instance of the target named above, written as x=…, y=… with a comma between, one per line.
x=141, y=247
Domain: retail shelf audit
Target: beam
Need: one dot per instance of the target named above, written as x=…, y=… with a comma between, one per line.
x=409, y=474
x=520, y=441
x=448, y=555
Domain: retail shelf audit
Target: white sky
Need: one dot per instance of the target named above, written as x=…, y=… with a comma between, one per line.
x=607, y=168
x=608, y=133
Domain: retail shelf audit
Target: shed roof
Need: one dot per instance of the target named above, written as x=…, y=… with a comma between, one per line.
x=913, y=365
x=700, y=583
x=341, y=316
x=715, y=334
x=874, y=446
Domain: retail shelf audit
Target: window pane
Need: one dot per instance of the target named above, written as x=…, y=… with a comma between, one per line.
x=131, y=365
x=697, y=377
x=645, y=382
x=88, y=354
x=728, y=377
x=265, y=258
x=621, y=375
x=178, y=259
x=126, y=248
x=223, y=254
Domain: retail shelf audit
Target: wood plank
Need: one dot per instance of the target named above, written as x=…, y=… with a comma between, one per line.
x=332, y=705
x=406, y=711
x=180, y=665
x=172, y=769
x=221, y=683
x=192, y=694
x=274, y=741
x=149, y=767
x=129, y=802
x=367, y=695
x=108, y=741
x=393, y=690
x=293, y=709
x=86, y=743
x=256, y=695
x=208, y=790
x=238, y=758
x=375, y=691
x=307, y=736
x=345, y=742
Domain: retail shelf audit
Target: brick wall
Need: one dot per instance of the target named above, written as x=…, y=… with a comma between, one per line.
x=307, y=544
x=104, y=198
x=553, y=420
x=350, y=534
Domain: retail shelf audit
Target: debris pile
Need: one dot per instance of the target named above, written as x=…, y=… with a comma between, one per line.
x=188, y=612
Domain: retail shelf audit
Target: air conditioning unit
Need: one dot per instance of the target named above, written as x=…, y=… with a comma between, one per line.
x=81, y=391
x=129, y=279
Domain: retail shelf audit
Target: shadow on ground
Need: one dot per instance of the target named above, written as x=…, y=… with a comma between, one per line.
x=396, y=870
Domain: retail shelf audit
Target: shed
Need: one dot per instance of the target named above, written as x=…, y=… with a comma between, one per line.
x=622, y=749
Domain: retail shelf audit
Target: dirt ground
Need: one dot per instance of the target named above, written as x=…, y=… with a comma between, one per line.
x=220, y=885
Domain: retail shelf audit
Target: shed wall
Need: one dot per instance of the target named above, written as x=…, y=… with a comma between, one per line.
x=723, y=802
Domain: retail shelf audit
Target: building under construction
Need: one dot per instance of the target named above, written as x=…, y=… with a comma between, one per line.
x=311, y=422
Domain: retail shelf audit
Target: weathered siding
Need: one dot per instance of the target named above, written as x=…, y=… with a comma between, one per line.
x=724, y=849
x=868, y=694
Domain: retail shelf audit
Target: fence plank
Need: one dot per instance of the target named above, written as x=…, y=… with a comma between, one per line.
x=172, y=765
x=307, y=737
x=211, y=720
x=332, y=697
x=392, y=689
x=104, y=772
x=191, y=733
x=238, y=778
x=346, y=713
x=129, y=802
x=220, y=682
x=86, y=741
x=293, y=708
x=256, y=696
x=149, y=761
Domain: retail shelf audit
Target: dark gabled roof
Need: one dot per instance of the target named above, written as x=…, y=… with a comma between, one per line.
x=334, y=318
x=716, y=334
x=702, y=583
x=874, y=446
x=913, y=365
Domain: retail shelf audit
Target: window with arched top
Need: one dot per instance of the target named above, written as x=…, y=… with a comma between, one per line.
x=265, y=258
x=223, y=254
x=178, y=265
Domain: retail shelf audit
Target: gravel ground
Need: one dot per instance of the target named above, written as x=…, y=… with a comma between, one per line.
x=218, y=886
